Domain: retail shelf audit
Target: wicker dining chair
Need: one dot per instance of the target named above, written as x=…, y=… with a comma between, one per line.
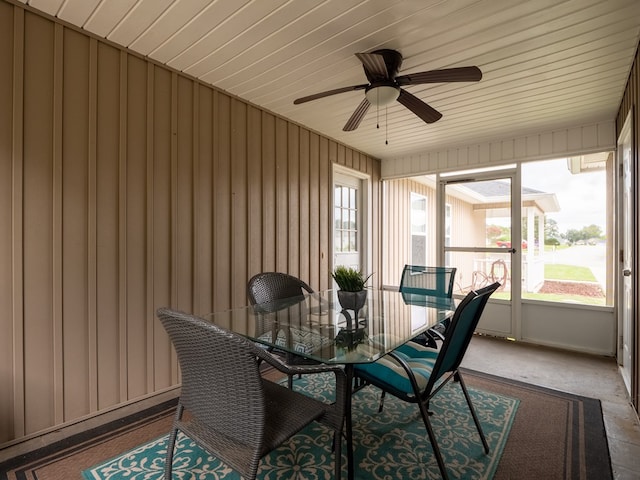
x=267, y=287
x=232, y=411
x=263, y=289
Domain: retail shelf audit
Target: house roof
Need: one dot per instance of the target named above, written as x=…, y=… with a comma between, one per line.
x=546, y=63
x=495, y=194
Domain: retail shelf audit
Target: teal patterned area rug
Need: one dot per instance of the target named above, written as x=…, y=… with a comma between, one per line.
x=391, y=444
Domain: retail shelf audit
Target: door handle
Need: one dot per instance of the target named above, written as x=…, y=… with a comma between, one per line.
x=626, y=272
x=512, y=250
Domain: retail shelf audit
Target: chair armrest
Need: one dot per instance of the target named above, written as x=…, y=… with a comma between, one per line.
x=334, y=413
x=284, y=367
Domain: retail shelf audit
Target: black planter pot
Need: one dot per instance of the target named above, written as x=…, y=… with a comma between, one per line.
x=352, y=300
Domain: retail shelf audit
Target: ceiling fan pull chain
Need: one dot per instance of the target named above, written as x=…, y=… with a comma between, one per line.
x=377, y=109
x=386, y=125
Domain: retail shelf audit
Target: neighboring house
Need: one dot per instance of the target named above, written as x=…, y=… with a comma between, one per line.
x=469, y=210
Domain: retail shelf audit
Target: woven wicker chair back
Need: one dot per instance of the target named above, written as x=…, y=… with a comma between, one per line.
x=221, y=383
x=269, y=286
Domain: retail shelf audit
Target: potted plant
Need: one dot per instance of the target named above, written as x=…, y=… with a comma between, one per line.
x=351, y=282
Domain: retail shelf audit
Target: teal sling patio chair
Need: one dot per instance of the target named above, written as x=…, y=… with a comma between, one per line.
x=432, y=284
x=231, y=410
x=415, y=374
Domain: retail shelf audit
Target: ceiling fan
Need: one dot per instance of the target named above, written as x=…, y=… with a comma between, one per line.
x=381, y=68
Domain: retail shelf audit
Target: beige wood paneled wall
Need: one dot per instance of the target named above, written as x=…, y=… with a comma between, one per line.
x=631, y=103
x=126, y=186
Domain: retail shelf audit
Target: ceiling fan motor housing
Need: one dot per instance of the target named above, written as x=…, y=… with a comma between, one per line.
x=393, y=61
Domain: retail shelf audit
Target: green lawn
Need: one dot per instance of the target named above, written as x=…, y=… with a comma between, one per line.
x=568, y=272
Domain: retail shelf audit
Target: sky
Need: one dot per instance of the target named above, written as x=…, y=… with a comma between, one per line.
x=582, y=197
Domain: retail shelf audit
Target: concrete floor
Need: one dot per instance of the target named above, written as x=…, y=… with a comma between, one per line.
x=581, y=374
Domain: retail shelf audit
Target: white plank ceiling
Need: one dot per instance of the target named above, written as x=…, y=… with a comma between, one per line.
x=546, y=63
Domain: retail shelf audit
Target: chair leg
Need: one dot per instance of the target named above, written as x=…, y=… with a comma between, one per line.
x=337, y=453
x=473, y=413
x=432, y=439
x=381, y=405
x=171, y=444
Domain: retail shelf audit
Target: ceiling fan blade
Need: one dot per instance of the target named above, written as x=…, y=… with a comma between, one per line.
x=417, y=106
x=335, y=91
x=460, y=74
x=374, y=66
x=357, y=116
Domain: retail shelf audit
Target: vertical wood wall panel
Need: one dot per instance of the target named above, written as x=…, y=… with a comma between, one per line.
x=238, y=274
x=92, y=183
x=58, y=225
x=325, y=183
x=305, y=211
x=121, y=251
x=75, y=227
x=184, y=195
x=222, y=287
x=135, y=225
x=161, y=212
x=254, y=191
x=8, y=326
x=314, y=207
x=293, y=223
x=107, y=231
x=282, y=197
x=268, y=192
x=124, y=187
x=204, y=202
x=151, y=323
x=38, y=242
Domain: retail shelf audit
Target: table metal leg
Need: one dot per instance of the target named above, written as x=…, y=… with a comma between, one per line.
x=349, y=430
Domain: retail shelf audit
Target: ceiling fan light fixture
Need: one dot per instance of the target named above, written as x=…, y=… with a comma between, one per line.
x=382, y=95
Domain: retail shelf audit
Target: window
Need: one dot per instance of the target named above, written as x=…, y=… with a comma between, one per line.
x=564, y=228
x=418, y=229
x=346, y=215
x=447, y=233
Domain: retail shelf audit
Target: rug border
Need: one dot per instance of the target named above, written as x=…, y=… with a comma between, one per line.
x=594, y=422
x=77, y=441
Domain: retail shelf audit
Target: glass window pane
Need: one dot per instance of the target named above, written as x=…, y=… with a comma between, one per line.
x=337, y=196
x=485, y=206
x=565, y=239
x=352, y=198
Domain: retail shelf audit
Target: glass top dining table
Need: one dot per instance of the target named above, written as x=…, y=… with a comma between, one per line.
x=317, y=327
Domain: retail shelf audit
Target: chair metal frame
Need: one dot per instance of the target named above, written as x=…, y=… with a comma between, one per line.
x=446, y=367
x=442, y=287
x=233, y=412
